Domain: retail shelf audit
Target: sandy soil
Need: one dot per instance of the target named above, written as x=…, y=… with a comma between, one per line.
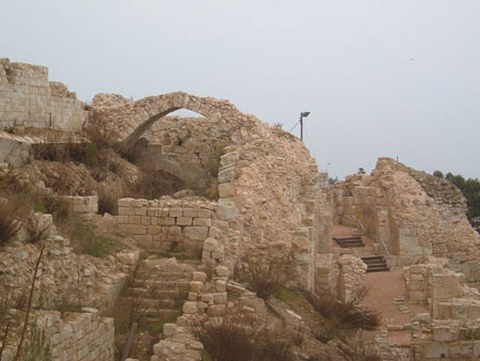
x=383, y=288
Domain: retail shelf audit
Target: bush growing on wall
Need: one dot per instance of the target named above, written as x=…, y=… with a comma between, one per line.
x=9, y=226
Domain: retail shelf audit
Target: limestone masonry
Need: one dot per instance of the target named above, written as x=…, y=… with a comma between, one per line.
x=29, y=99
x=243, y=194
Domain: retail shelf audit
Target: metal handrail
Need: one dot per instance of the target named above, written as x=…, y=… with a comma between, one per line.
x=358, y=221
x=385, y=246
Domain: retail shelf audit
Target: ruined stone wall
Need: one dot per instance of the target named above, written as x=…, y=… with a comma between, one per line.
x=449, y=341
x=351, y=281
x=444, y=290
x=188, y=148
x=414, y=213
x=67, y=280
x=126, y=121
x=79, y=336
x=83, y=207
x=210, y=300
x=28, y=99
x=265, y=173
x=178, y=226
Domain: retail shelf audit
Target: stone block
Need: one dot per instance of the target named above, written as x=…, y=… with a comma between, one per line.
x=444, y=334
x=210, y=245
x=142, y=211
x=222, y=271
x=202, y=222
x=221, y=285
x=199, y=276
x=122, y=219
x=435, y=350
x=226, y=190
x=189, y=307
x=229, y=159
x=461, y=349
x=226, y=174
x=227, y=212
x=196, y=233
x=202, y=213
x=220, y=298
x=208, y=298
x=189, y=213
x=417, y=296
x=154, y=230
x=125, y=211
x=196, y=286
x=184, y=221
x=175, y=212
x=134, y=219
x=132, y=229
x=216, y=310
x=218, y=255
x=166, y=221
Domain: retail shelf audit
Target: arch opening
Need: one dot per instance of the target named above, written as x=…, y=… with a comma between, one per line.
x=178, y=143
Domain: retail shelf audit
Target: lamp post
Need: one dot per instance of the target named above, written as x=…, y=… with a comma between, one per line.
x=302, y=115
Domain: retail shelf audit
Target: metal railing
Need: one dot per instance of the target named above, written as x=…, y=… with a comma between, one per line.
x=384, y=246
x=351, y=217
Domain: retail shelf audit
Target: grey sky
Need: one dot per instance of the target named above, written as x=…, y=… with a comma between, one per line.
x=380, y=77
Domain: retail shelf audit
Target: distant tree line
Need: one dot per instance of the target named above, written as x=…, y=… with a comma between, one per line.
x=471, y=191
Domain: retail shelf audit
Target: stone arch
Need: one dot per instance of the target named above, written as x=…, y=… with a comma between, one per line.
x=127, y=121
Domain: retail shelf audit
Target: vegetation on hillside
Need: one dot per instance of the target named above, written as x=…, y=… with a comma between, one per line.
x=471, y=191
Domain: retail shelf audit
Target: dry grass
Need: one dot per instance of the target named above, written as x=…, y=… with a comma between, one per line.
x=240, y=340
x=264, y=277
x=9, y=226
x=359, y=351
x=36, y=230
x=341, y=316
x=108, y=201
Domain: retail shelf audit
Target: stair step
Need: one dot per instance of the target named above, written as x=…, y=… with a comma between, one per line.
x=375, y=263
x=347, y=237
x=349, y=241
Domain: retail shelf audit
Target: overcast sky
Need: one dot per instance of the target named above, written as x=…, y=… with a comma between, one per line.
x=380, y=77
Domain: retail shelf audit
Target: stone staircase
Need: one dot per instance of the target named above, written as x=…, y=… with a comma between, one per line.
x=349, y=241
x=375, y=263
x=156, y=295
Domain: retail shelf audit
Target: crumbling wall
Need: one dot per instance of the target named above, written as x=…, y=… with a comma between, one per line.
x=188, y=148
x=274, y=184
x=80, y=336
x=414, y=214
x=265, y=174
x=351, y=281
x=67, y=280
x=28, y=99
x=449, y=341
x=83, y=207
x=179, y=226
x=444, y=290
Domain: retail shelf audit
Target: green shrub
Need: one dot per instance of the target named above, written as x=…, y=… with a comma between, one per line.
x=85, y=241
x=92, y=155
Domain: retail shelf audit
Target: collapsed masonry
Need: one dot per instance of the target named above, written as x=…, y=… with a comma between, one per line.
x=266, y=201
